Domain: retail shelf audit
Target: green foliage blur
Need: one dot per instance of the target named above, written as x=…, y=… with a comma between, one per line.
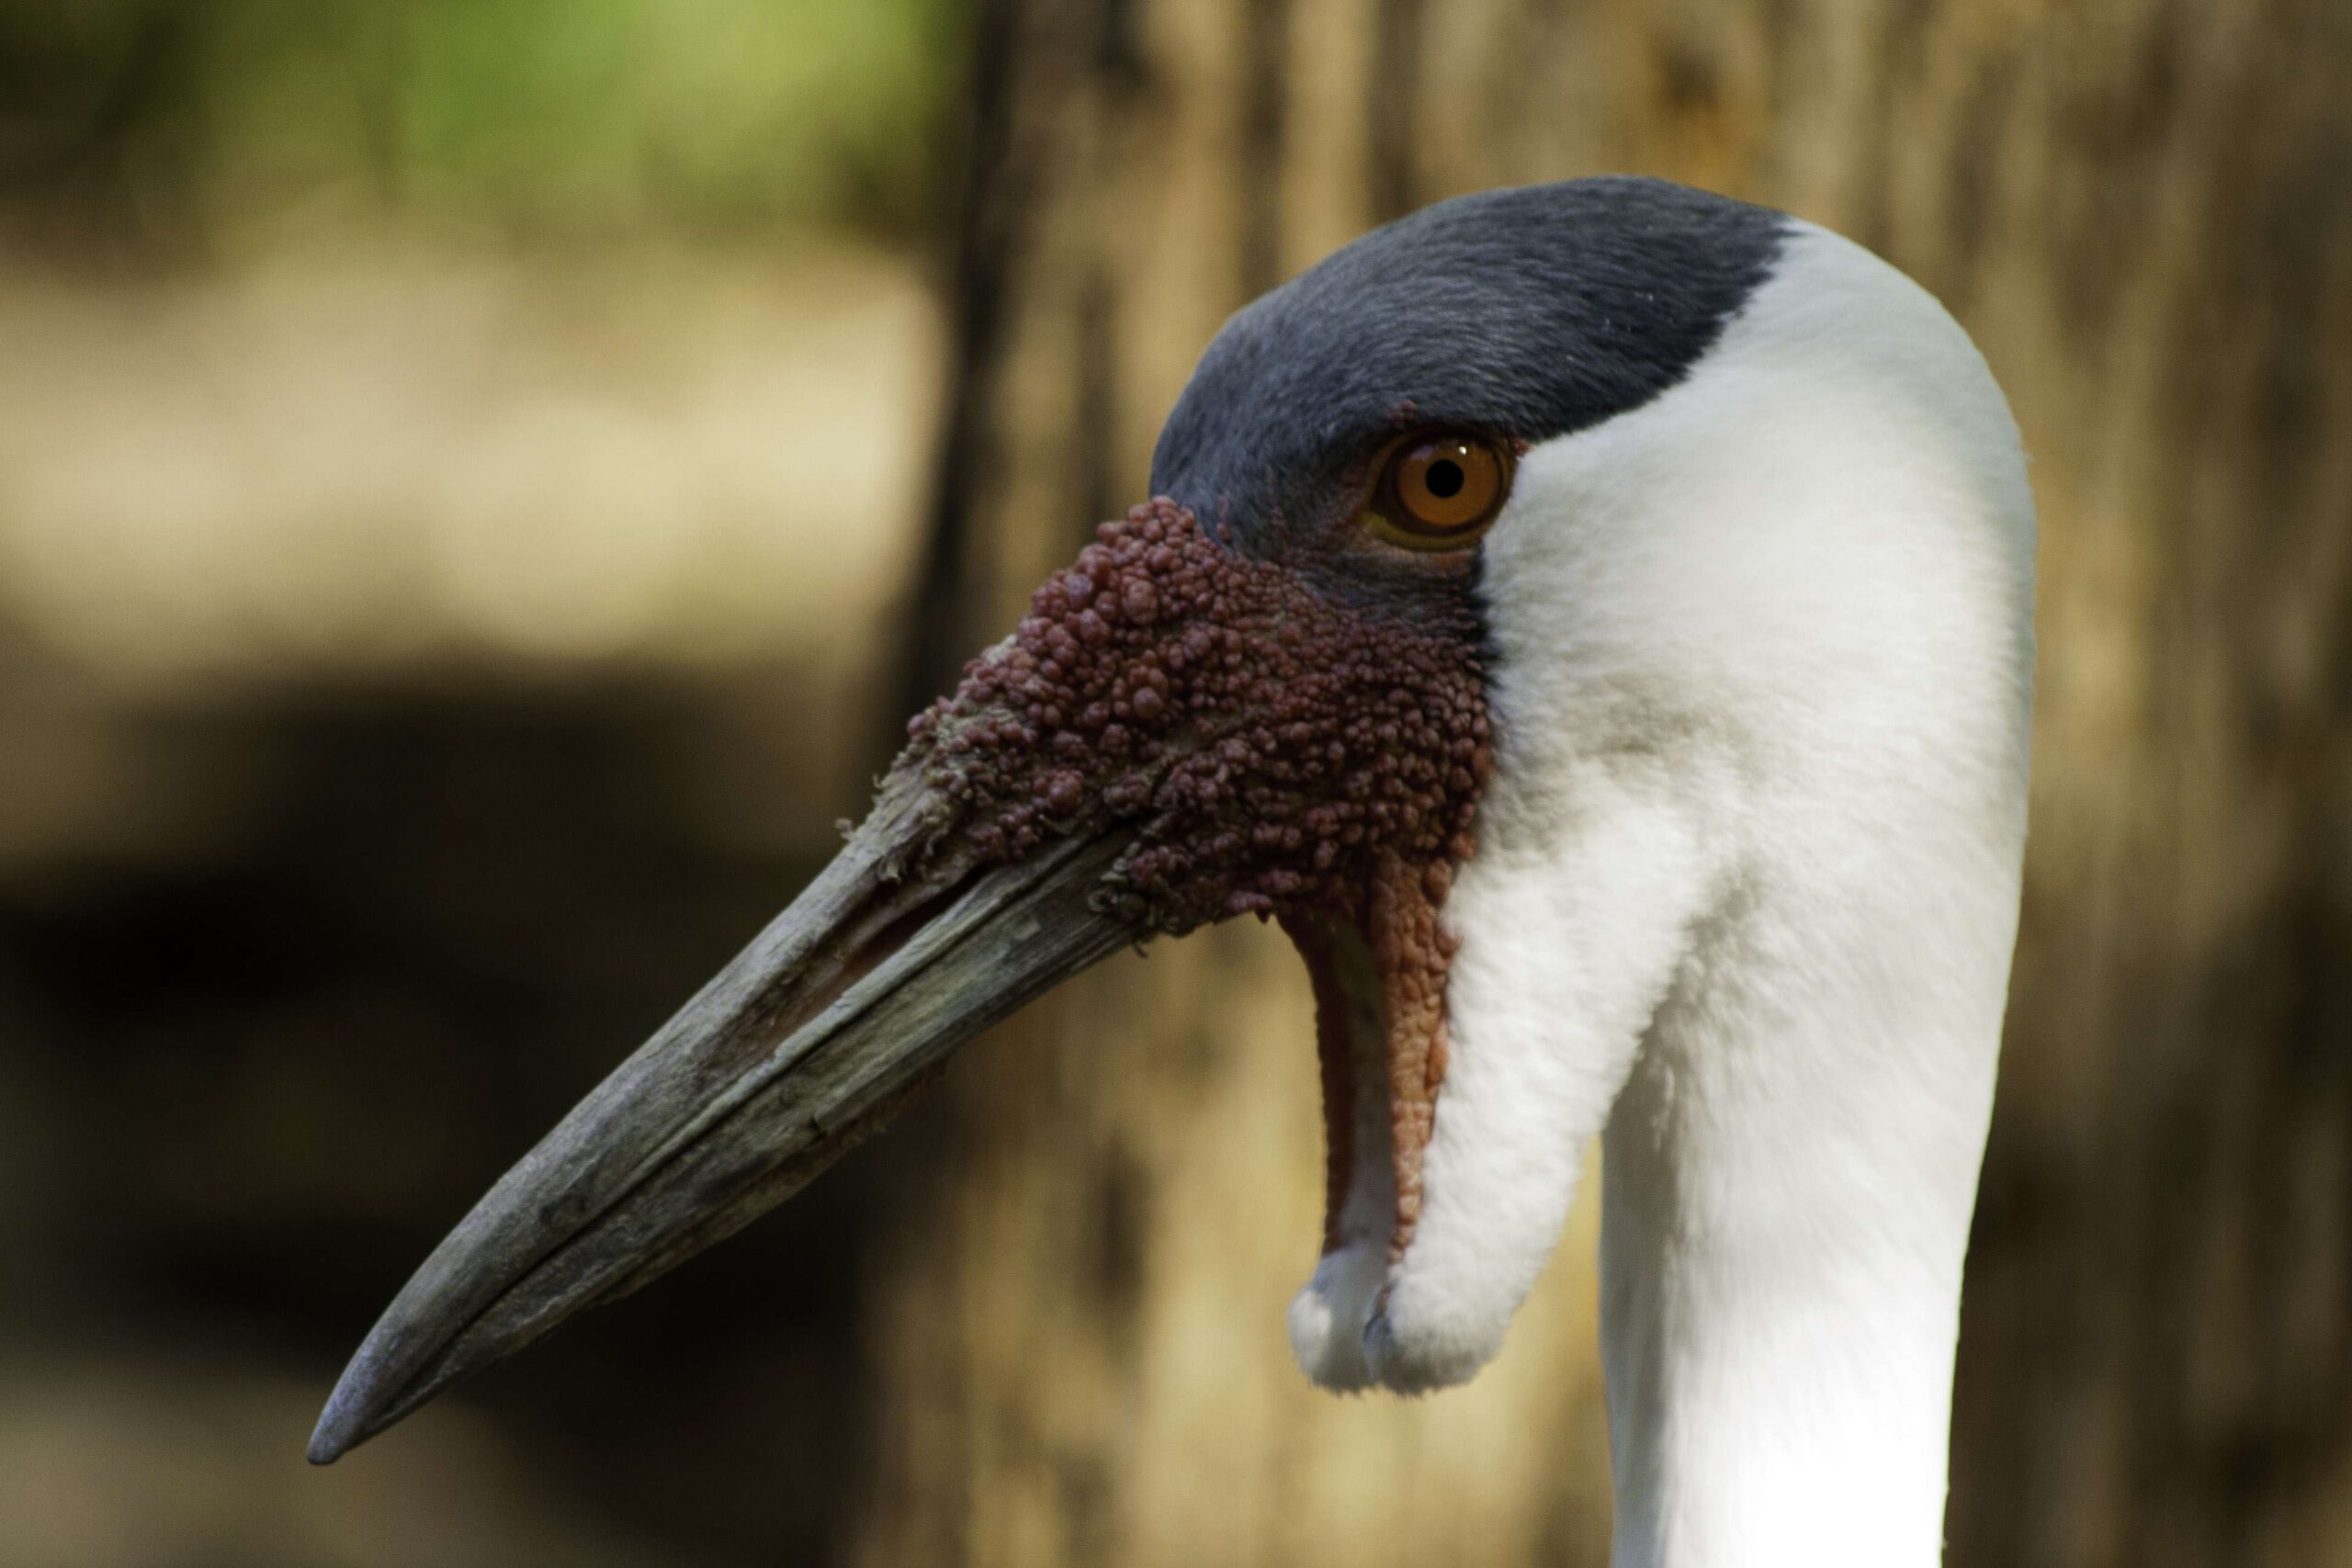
x=224, y=121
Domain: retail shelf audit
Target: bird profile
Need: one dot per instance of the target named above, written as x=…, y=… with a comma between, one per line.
x=1595, y=620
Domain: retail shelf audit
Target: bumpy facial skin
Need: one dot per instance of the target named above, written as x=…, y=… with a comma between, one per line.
x=1267, y=742
x=1268, y=747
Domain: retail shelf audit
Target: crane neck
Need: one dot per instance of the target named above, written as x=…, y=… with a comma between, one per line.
x=1789, y=1176
x=1744, y=895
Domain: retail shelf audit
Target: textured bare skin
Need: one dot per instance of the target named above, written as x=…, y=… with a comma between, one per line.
x=1272, y=750
x=1413, y=952
x=1334, y=1056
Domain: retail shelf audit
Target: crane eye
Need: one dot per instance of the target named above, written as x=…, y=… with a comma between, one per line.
x=1439, y=490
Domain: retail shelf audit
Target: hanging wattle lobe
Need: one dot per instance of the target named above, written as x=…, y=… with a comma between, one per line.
x=1272, y=750
x=1403, y=997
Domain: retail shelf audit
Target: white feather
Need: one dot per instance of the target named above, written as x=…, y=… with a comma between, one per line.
x=1746, y=894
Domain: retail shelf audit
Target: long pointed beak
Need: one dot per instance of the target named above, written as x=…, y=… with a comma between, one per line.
x=1175, y=733
x=885, y=965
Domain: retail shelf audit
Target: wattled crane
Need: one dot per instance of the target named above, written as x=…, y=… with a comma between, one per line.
x=1595, y=620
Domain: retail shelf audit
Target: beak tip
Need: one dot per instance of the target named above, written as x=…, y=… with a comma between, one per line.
x=330, y=1439
x=352, y=1415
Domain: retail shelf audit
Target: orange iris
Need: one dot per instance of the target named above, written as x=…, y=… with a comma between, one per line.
x=1440, y=490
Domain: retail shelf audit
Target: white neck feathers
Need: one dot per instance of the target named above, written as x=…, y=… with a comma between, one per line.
x=1750, y=857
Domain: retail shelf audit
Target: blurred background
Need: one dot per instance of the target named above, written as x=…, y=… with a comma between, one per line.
x=482, y=481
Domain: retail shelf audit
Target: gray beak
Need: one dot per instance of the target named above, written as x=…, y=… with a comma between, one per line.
x=795, y=1051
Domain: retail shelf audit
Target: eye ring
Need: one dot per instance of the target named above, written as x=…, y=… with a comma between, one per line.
x=1439, y=489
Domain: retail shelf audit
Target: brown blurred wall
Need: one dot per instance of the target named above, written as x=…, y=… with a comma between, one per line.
x=2144, y=213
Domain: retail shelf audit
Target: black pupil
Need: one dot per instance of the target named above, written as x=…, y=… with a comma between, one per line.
x=1445, y=479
